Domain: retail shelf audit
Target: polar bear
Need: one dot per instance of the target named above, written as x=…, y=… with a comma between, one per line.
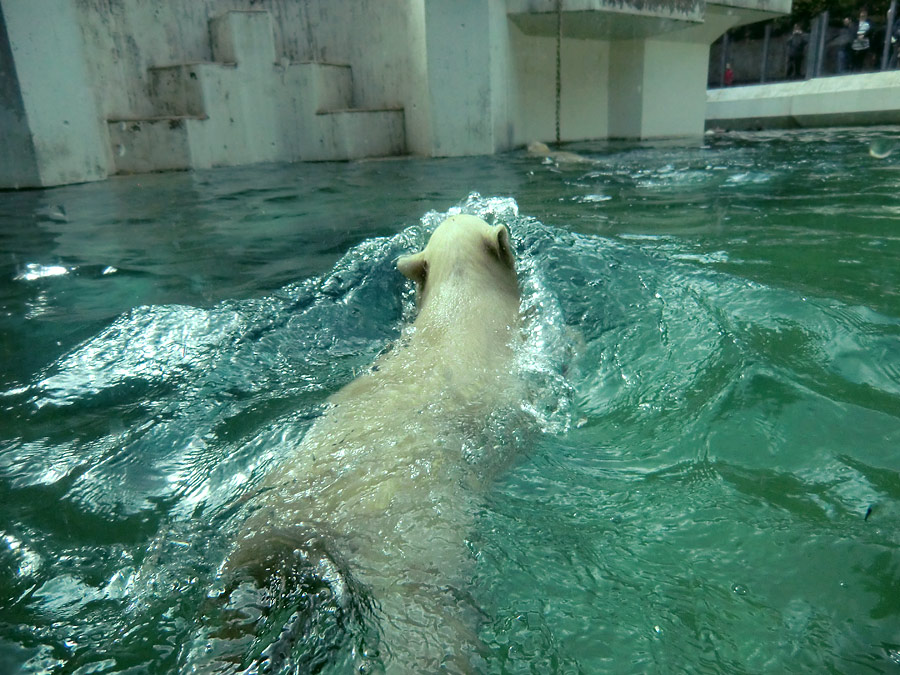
x=538, y=149
x=388, y=477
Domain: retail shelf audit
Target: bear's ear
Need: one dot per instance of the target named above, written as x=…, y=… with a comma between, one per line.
x=503, y=247
x=413, y=266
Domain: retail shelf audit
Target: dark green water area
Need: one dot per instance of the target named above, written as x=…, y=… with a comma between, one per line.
x=712, y=481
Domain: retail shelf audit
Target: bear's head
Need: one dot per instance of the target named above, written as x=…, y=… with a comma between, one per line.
x=464, y=251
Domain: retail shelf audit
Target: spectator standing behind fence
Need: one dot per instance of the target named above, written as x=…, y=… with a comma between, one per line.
x=796, y=48
x=861, y=42
x=728, y=77
x=842, y=43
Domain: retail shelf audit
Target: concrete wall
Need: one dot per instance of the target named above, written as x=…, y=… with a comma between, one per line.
x=460, y=86
x=584, y=87
x=54, y=99
x=459, y=99
x=433, y=56
x=872, y=98
x=637, y=72
x=661, y=86
x=98, y=86
x=417, y=110
x=69, y=66
x=18, y=164
x=502, y=92
x=128, y=37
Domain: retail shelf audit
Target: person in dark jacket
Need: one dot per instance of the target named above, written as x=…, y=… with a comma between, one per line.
x=796, y=50
x=842, y=44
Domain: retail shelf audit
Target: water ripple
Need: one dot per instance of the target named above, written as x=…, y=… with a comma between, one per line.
x=711, y=419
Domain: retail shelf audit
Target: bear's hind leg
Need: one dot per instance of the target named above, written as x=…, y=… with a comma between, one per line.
x=286, y=601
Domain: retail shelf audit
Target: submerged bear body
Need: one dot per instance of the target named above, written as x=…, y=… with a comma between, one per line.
x=390, y=473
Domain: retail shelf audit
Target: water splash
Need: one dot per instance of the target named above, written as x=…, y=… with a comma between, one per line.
x=35, y=271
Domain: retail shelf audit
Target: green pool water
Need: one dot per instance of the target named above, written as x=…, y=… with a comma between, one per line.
x=711, y=482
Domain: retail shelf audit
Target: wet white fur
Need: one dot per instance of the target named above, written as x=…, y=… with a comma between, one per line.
x=391, y=471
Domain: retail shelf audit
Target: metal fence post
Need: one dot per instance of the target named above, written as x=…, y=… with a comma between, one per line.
x=812, y=49
x=886, y=52
x=765, y=56
x=820, y=47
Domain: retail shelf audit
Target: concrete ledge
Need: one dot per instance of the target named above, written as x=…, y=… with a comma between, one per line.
x=538, y=17
x=331, y=85
x=359, y=110
x=357, y=134
x=177, y=89
x=636, y=19
x=847, y=100
x=776, y=6
x=602, y=25
x=172, y=119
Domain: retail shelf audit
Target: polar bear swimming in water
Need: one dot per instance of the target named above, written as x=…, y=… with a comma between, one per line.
x=389, y=476
x=538, y=149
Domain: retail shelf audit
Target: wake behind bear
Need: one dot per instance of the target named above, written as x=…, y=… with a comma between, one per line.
x=383, y=489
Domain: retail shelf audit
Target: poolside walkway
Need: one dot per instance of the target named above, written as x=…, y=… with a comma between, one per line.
x=846, y=100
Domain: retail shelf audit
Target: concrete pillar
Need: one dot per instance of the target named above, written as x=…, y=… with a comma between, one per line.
x=246, y=38
x=584, y=90
x=659, y=88
x=18, y=163
x=460, y=73
x=417, y=107
x=626, y=78
x=51, y=132
x=658, y=84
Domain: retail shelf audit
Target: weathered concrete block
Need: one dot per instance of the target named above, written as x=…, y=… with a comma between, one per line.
x=239, y=128
x=177, y=90
x=15, y=135
x=51, y=103
x=142, y=146
x=253, y=110
x=605, y=19
x=331, y=86
x=245, y=38
x=355, y=134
